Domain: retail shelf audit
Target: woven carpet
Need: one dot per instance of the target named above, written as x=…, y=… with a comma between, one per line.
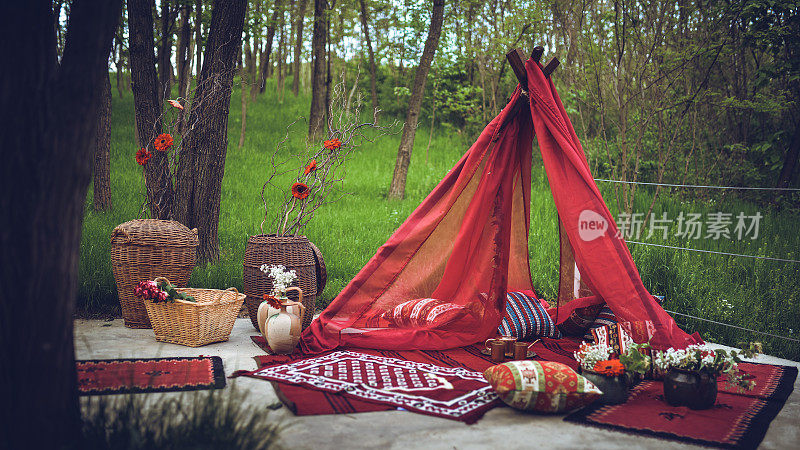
x=120, y=376
x=738, y=420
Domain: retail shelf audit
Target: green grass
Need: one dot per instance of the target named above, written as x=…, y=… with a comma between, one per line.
x=762, y=294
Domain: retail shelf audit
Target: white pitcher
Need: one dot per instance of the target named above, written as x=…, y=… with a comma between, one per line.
x=282, y=329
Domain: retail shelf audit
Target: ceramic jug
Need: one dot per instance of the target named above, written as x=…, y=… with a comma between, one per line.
x=265, y=310
x=282, y=329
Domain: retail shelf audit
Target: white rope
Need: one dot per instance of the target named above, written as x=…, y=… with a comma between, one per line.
x=716, y=253
x=734, y=326
x=700, y=186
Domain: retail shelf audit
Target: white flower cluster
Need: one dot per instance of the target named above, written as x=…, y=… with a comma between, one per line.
x=692, y=357
x=281, y=278
x=588, y=355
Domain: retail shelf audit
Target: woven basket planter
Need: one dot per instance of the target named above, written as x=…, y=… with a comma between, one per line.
x=143, y=250
x=296, y=253
x=193, y=324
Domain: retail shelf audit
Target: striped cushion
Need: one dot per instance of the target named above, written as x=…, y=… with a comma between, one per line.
x=526, y=318
x=423, y=312
x=605, y=317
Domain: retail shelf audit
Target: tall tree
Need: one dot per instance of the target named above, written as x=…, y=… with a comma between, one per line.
x=398, y=187
x=316, y=117
x=365, y=28
x=101, y=182
x=201, y=163
x=184, y=57
x=165, y=50
x=198, y=34
x=298, y=45
x=265, y=66
x=147, y=106
x=48, y=110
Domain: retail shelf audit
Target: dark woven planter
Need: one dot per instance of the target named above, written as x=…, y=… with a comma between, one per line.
x=296, y=253
x=143, y=250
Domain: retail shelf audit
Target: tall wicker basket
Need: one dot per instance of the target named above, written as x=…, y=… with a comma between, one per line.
x=143, y=250
x=296, y=253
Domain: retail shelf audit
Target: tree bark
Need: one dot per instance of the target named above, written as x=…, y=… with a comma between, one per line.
x=282, y=53
x=398, y=187
x=49, y=116
x=298, y=45
x=165, y=52
x=147, y=106
x=243, y=71
x=365, y=27
x=316, y=117
x=790, y=161
x=201, y=163
x=270, y=36
x=101, y=183
x=198, y=35
x=184, y=58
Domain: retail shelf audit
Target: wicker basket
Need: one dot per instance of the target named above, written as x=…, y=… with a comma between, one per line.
x=145, y=249
x=208, y=320
x=296, y=253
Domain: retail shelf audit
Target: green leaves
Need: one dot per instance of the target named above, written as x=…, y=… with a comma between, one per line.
x=173, y=294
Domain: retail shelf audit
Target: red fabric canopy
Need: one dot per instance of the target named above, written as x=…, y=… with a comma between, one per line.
x=467, y=243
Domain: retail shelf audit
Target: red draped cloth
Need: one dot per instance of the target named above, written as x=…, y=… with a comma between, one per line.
x=467, y=243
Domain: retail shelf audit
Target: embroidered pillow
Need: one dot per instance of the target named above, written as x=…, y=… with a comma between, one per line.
x=423, y=312
x=614, y=336
x=542, y=386
x=579, y=320
x=604, y=317
x=525, y=318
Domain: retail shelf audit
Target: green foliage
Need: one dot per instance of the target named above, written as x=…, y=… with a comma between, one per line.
x=208, y=420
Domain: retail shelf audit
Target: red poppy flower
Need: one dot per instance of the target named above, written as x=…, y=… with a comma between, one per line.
x=300, y=190
x=272, y=301
x=333, y=144
x=175, y=104
x=312, y=166
x=612, y=367
x=163, y=142
x=142, y=156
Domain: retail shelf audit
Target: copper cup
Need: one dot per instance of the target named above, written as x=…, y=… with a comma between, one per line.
x=520, y=351
x=509, y=341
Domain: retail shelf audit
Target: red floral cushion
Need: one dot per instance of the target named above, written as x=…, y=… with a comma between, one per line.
x=542, y=386
x=423, y=312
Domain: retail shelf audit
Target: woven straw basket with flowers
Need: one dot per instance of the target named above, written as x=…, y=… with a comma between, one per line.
x=208, y=319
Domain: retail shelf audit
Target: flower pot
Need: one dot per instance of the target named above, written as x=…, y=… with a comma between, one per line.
x=695, y=389
x=295, y=253
x=282, y=330
x=615, y=388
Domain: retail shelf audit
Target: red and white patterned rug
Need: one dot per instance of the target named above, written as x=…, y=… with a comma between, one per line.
x=449, y=392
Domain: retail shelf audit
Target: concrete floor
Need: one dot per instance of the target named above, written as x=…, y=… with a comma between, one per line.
x=501, y=427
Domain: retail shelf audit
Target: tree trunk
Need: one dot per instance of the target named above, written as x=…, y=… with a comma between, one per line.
x=184, y=58
x=398, y=187
x=790, y=161
x=365, y=27
x=270, y=36
x=248, y=56
x=316, y=117
x=201, y=163
x=102, y=154
x=165, y=52
x=198, y=35
x=49, y=116
x=282, y=53
x=298, y=45
x=145, y=86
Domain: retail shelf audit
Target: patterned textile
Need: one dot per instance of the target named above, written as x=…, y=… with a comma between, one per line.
x=424, y=312
x=526, y=318
x=579, y=320
x=604, y=317
x=121, y=376
x=541, y=386
x=614, y=336
x=738, y=420
x=449, y=392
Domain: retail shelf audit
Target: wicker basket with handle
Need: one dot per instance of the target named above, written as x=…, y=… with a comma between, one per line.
x=148, y=248
x=208, y=320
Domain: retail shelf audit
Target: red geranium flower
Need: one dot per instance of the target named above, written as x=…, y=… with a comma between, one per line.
x=142, y=156
x=333, y=144
x=612, y=367
x=272, y=301
x=300, y=190
x=312, y=166
x=175, y=104
x=163, y=142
